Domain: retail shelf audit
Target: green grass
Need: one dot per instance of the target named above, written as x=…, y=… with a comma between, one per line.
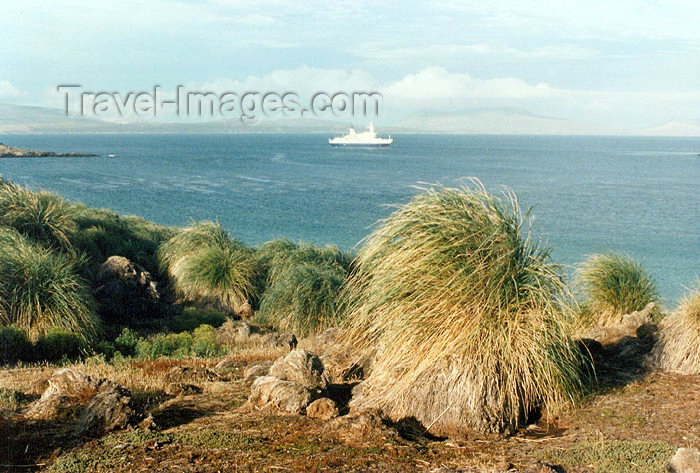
x=206, y=264
x=613, y=456
x=613, y=285
x=305, y=299
x=469, y=319
x=280, y=256
x=41, y=290
x=40, y=216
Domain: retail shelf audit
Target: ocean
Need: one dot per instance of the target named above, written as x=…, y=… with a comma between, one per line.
x=588, y=194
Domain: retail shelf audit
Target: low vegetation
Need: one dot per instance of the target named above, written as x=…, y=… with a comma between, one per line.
x=613, y=285
x=469, y=319
x=678, y=347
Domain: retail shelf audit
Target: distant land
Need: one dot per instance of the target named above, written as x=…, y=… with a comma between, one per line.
x=29, y=119
x=13, y=152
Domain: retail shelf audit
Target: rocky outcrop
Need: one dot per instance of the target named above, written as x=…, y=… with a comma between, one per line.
x=256, y=370
x=686, y=460
x=302, y=367
x=97, y=405
x=288, y=396
x=285, y=341
x=294, y=381
x=124, y=290
x=13, y=152
x=238, y=332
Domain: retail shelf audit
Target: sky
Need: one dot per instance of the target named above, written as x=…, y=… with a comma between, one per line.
x=623, y=64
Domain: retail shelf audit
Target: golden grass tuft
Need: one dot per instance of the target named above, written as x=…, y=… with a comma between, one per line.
x=678, y=347
x=467, y=319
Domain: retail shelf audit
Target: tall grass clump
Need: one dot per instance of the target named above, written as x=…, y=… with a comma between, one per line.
x=613, y=285
x=40, y=216
x=206, y=264
x=678, y=346
x=304, y=300
x=41, y=290
x=280, y=256
x=467, y=320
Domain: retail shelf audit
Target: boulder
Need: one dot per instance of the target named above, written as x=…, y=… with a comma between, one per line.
x=110, y=409
x=359, y=427
x=301, y=367
x=98, y=405
x=124, y=290
x=324, y=409
x=268, y=391
x=189, y=374
x=686, y=460
x=234, y=332
x=638, y=325
x=341, y=367
x=256, y=370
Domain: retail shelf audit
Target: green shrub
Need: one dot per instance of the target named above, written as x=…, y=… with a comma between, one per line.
x=206, y=264
x=58, y=345
x=613, y=285
x=105, y=348
x=204, y=342
x=41, y=290
x=305, y=299
x=14, y=345
x=284, y=258
x=126, y=342
x=466, y=318
x=191, y=318
x=171, y=345
x=40, y=216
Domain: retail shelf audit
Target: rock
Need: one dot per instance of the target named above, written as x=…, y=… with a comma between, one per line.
x=341, y=367
x=189, y=374
x=256, y=370
x=182, y=389
x=110, y=409
x=268, y=391
x=635, y=325
x=356, y=428
x=124, y=290
x=686, y=460
x=287, y=341
x=324, y=409
x=301, y=367
x=98, y=404
x=234, y=332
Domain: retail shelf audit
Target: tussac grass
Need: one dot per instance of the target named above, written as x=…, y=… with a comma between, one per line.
x=468, y=320
x=304, y=300
x=205, y=263
x=614, y=285
x=40, y=216
x=678, y=346
x=42, y=290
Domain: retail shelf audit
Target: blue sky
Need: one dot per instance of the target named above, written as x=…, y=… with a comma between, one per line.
x=624, y=64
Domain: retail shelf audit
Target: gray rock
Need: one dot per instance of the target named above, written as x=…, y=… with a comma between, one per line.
x=324, y=409
x=268, y=391
x=256, y=370
x=234, y=332
x=124, y=289
x=98, y=405
x=301, y=367
x=686, y=460
x=356, y=428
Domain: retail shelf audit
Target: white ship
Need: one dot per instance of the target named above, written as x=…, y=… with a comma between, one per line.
x=366, y=138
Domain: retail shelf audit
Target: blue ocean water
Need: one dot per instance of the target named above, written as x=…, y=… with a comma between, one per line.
x=589, y=194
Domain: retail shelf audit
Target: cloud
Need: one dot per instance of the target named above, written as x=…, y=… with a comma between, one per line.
x=438, y=83
x=7, y=90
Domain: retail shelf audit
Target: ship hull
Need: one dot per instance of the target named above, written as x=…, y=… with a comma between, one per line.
x=361, y=145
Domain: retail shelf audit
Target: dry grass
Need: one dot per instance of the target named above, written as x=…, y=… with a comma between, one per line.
x=469, y=319
x=678, y=347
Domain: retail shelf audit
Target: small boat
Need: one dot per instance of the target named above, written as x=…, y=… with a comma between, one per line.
x=111, y=155
x=367, y=138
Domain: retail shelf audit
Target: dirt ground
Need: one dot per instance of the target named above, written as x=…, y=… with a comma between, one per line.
x=632, y=427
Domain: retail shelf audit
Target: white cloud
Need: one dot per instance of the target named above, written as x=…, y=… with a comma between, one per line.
x=7, y=90
x=437, y=83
